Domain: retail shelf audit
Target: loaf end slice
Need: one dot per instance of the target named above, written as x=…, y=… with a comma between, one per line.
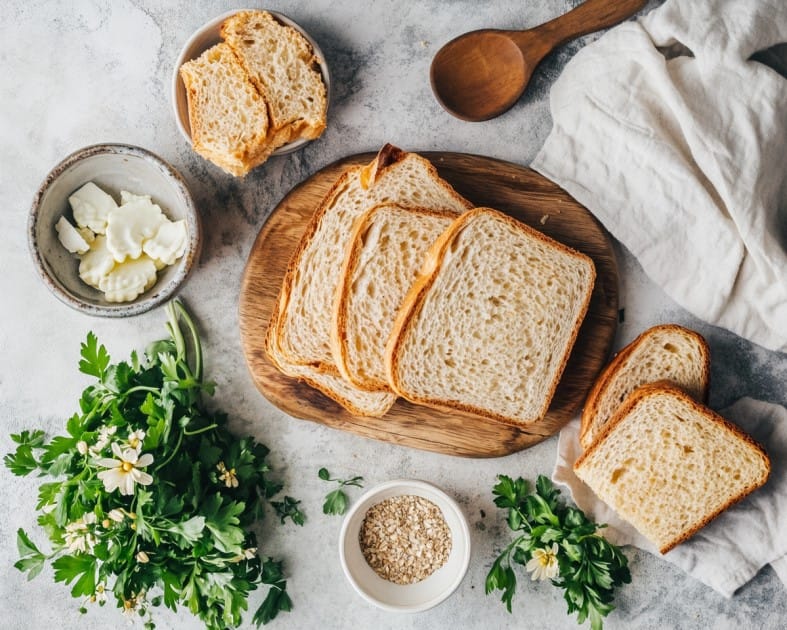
x=669, y=465
x=667, y=352
x=490, y=322
x=282, y=65
x=228, y=117
x=386, y=250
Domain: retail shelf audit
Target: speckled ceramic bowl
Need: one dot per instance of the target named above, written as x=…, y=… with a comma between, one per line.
x=410, y=597
x=209, y=34
x=112, y=167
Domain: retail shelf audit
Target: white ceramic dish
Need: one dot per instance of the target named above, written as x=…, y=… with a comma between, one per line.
x=209, y=34
x=411, y=597
x=112, y=167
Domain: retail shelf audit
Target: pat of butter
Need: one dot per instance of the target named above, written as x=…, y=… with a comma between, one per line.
x=97, y=262
x=168, y=243
x=130, y=225
x=91, y=207
x=70, y=237
x=128, y=279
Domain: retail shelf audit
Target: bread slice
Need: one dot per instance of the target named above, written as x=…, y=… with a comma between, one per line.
x=356, y=401
x=489, y=324
x=228, y=117
x=669, y=465
x=667, y=352
x=303, y=312
x=282, y=65
x=386, y=250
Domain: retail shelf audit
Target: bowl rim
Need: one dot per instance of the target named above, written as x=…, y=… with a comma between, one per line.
x=142, y=304
x=177, y=83
x=445, y=501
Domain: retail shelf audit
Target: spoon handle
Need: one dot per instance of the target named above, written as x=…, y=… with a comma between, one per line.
x=590, y=16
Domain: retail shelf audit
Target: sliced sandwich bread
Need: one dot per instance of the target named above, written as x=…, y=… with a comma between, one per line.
x=355, y=400
x=667, y=352
x=282, y=66
x=227, y=115
x=669, y=465
x=490, y=322
x=386, y=250
x=302, y=316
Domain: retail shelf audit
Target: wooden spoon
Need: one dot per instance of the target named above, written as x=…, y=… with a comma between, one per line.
x=481, y=74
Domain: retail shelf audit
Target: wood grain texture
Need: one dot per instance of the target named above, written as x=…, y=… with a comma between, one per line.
x=517, y=191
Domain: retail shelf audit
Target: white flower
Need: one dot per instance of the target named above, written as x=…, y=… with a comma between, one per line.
x=116, y=515
x=82, y=447
x=135, y=439
x=142, y=557
x=543, y=565
x=246, y=554
x=124, y=471
x=78, y=537
x=227, y=476
x=100, y=595
x=104, y=435
x=132, y=605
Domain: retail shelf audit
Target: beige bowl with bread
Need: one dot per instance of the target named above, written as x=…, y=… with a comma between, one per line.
x=207, y=37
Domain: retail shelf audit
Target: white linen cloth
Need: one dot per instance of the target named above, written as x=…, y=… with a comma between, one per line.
x=730, y=550
x=684, y=158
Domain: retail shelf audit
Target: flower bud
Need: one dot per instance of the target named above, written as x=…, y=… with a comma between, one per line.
x=82, y=447
x=142, y=557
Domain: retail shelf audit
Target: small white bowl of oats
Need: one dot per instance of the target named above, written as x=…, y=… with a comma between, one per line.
x=405, y=546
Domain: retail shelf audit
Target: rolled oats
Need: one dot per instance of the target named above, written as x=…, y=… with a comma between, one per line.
x=405, y=539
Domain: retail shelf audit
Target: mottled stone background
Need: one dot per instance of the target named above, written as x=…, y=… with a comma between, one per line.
x=82, y=72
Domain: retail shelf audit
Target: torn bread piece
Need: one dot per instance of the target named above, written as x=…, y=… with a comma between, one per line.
x=228, y=116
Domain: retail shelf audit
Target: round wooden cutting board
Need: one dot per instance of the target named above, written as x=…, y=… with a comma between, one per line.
x=518, y=191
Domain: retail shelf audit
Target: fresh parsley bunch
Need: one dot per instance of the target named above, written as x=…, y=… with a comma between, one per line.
x=153, y=497
x=559, y=543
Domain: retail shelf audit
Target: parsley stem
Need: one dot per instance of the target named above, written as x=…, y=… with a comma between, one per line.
x=194, y=337
x=172, y=454
x=202, y=430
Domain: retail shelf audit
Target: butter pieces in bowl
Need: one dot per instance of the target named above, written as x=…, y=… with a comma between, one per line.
x=113, y=230
x=248, y=85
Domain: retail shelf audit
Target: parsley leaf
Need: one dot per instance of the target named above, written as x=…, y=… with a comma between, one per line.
x=95, y=357
x=336, y=500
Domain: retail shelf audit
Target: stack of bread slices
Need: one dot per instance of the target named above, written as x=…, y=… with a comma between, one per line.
x=257, y=90
x=654, y=451
x=399, y=288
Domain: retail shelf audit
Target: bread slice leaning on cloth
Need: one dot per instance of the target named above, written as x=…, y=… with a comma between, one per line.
x=386, y=250
x=282, y=65
x=230, y=132
x=667, y=352
x=489, y=324
x=302, y=315
x=669, y=465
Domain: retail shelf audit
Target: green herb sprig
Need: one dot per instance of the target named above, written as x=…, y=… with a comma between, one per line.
x=559, y=543
x=153, y=497
x=336, y=500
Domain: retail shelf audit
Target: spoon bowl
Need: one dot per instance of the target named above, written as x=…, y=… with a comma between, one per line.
x=481, y=74
x=499, y=68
